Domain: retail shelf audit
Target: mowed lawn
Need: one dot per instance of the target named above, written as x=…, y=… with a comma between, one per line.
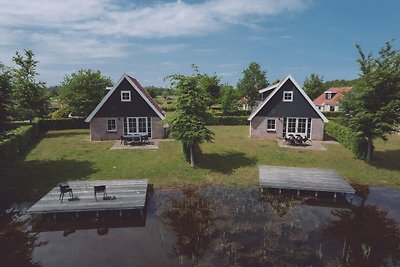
x=232, y=159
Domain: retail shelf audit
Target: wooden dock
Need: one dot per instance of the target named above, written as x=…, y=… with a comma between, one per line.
x=303, y=179
x=129, y=195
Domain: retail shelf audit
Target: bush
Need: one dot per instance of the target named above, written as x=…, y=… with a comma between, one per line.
x=18, y=141
x=344, y=135
x=227, y=120
x=63, y=124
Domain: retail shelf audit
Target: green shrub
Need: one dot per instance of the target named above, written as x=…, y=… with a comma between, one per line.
x=63, y=124
x=60, y=113
x=227, y=120
x=18, y=141
x=348, y=138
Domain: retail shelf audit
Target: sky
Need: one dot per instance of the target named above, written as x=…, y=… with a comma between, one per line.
x=153, y=39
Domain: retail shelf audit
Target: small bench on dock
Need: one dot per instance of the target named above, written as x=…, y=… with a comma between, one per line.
x=126, y=195
x=303, y=179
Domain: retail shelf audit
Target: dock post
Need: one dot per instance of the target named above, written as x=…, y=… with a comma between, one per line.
x=298, y=192
x=54, y=216
x=316, y=193
x=77, y=215
x=280, y=191
x=334, y=196
x=120, y=213
x=97, y=214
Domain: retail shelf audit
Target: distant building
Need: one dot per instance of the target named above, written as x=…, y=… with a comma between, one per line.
x=329, y=100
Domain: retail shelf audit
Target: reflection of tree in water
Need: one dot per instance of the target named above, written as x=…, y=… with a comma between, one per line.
x=16, y=241
x=190, y=216
x=368, y=236
x=238, y=229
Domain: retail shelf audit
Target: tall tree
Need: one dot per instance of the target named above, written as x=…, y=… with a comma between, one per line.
x=188, y=124
x=83, y=90
x=253, y=80
x=313, y=85
x=5, y=96
x=211, y=84
x=229, y=100
x=373, y=104
x=29, y=94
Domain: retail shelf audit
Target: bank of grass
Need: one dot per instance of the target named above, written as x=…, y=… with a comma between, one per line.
x=232, y=159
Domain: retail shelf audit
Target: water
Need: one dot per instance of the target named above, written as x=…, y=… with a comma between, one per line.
x=214, y=226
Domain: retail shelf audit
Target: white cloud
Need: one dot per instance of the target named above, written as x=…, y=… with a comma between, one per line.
x=106, y=17
x=164, y=48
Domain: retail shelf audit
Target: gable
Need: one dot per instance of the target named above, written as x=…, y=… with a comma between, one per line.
x=141, y=104
x=114, y=107
x=300, y=106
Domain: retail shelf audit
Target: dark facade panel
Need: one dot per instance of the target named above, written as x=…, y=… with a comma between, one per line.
x=137, y=107
x=298, y=108
x=266, y=94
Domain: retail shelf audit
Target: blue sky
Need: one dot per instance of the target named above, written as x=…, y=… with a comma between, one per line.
x=153, y=39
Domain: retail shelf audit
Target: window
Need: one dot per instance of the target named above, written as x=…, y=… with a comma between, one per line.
x=332, y=108
x=137, y=125
x=287, y=96
x=125, y=96
x=271, y=126
x=295, y=126
x=111, y=125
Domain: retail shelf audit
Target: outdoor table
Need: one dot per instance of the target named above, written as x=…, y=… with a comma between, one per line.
x=134, y=138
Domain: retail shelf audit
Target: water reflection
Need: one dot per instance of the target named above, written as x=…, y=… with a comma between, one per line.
x=17, y=241
x=369, y=237
x=215, y=226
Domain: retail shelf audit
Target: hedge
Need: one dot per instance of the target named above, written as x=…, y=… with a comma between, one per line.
x=20, y=139
x=227, y=120
x=63, y=124
x=344, y=135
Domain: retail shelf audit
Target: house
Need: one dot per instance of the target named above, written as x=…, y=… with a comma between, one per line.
x=329, y=100
x=286, y=109
x=126, y=109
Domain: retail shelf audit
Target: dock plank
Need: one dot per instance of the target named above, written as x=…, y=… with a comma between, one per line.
x=307, y=179
x=130, y=194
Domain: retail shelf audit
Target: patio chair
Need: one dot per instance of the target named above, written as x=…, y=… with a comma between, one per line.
x=64, y=188
x=99, y=189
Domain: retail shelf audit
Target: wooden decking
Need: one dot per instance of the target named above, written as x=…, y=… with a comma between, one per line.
x=303, y=179
x=129, y=195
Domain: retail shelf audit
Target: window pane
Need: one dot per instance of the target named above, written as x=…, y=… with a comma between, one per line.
x=142, y=125
x=302, y=124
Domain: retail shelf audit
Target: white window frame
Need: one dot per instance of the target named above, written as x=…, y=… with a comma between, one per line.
x=296, y=131
x=288, y=93
x=136, y=121
x=122, y=96
x=271, y=129
x=115, y=122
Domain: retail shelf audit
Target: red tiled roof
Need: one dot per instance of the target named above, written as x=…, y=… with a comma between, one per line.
x=320, y=100
x=153, y=102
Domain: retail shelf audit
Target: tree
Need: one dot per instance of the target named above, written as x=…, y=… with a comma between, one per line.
x=5, y=96
x=314, y=85
x=30, y=99
x=253, y=80
x=83, y=90
x=373, y=104
x=211, y=84
x=188, y=124
x=229, y=101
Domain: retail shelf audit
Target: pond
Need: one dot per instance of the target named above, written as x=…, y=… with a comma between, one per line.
x=214, y=226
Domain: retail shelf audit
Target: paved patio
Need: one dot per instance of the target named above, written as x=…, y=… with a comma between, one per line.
x=310, y=145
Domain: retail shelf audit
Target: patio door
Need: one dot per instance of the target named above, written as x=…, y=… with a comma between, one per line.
x=300, y=126
x=137, y=125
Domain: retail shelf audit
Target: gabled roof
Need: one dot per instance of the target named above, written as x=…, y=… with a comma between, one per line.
x=271, y=87
x=142, y=92
x=320, y=100
x=276, y=89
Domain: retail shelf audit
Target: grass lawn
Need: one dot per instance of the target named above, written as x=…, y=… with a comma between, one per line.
x=232, y=159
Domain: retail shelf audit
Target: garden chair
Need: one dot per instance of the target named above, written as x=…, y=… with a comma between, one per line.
x=64, y=188
x=99, y=189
